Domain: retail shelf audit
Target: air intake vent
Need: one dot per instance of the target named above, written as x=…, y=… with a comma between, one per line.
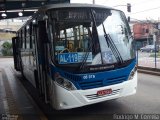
x=89, y=85
x=102, y=83
x=116, y=80
x=72, y=77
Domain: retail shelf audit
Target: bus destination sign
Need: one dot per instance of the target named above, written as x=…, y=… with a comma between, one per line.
x=68, y=58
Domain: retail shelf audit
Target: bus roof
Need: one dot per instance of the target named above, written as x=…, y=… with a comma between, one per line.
x=65, y=5
x=71, y=5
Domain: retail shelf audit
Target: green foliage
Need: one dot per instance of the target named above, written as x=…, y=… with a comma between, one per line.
x=7, y=49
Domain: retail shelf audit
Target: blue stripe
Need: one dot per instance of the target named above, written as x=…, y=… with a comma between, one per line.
x=101, y=79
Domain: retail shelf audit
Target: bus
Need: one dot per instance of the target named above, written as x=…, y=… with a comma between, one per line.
x=77, y=54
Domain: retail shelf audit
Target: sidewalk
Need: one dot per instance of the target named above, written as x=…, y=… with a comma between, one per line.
x=149, y=70
x=15, y=101
x=149, y=62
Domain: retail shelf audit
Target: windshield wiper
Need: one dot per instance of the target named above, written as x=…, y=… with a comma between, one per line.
x=81, y=67
x=112, y=45
x=93, y=42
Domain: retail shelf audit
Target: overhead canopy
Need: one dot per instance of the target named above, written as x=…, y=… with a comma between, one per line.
x=12, y=7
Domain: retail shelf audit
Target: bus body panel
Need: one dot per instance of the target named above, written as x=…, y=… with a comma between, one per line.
x=28, y=65
x=64, y=99
x=96, y=79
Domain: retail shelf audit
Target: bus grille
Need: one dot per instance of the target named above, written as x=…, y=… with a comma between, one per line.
x=95, y=96
x=116, y=80
x=89, y=85
x=101, y=83
x=72, y=77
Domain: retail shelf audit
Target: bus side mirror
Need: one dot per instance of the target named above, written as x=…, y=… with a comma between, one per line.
x=129, y=19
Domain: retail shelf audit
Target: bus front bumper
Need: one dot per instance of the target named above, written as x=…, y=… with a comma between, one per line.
x=64, y=99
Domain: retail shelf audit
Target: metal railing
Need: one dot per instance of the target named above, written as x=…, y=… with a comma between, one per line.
x=148, y=59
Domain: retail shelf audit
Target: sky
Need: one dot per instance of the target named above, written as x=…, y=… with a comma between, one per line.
x=140, y=10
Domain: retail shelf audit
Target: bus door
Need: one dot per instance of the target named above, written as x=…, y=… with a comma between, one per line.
x=16, y=53
x=43, y=59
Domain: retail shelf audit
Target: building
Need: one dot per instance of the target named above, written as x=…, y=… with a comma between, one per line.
x=144, y=33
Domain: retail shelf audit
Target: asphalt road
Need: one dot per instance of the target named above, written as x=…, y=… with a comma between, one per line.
x=145, y=101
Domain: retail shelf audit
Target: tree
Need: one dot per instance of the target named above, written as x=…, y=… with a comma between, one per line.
x=7, y=49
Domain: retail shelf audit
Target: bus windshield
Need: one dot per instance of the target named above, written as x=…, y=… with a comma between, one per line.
x=87, y=37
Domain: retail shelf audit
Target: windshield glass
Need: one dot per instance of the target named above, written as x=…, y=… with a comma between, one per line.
x=89, y=37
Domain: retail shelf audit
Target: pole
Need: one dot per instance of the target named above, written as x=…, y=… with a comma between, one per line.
x=155, y=55
x=155, y=60
x=93, y=1
x=137, y=54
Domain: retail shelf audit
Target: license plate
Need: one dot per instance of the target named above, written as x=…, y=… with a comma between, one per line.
x=104, y=92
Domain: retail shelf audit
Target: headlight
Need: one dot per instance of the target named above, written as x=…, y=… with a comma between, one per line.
x=132, y=73
x=65, y=83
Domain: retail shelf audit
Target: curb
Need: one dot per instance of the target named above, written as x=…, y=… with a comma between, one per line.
x=147, y=70
x=6, y=56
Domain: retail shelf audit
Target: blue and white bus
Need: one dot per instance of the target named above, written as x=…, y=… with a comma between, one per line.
x=77, y=54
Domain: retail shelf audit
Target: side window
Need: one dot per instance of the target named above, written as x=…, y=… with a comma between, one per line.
x=23, y=38
x=74, y=38
x=32, y=43
x=31, y=34
x=28, y=37
x=19, y=41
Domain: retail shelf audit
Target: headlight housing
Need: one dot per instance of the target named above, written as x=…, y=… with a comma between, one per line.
x=132, y=73
x=64, y=83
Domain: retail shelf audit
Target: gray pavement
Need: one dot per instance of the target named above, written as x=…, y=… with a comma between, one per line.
x=15, y=101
